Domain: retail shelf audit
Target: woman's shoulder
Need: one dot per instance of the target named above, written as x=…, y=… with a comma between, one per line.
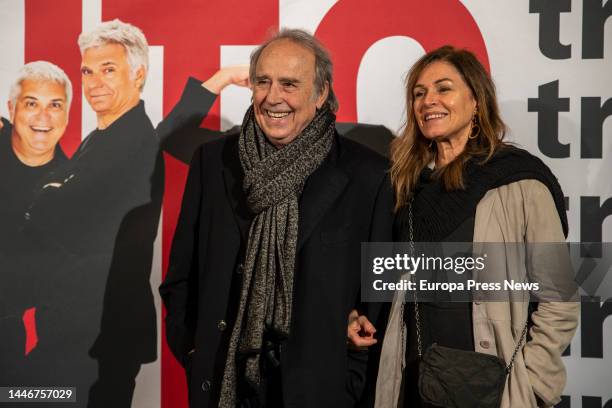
x=528, y=202
x=521, y=191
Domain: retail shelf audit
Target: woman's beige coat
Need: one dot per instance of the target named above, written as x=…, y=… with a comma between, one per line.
x=522, y=211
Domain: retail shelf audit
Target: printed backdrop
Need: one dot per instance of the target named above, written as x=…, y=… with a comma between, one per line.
x=551, y=61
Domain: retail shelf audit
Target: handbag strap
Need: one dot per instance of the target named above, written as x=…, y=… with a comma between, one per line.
x=417, y=317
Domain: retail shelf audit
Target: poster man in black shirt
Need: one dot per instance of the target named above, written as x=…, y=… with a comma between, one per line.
x=39, y=102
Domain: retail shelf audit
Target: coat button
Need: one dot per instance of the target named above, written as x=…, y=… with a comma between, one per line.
x=240, y=269
x=206, y=386
x=27, y=216
x=221, y=325
x=485, y=344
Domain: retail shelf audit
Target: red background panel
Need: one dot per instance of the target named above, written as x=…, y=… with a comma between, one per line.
x=51, y=32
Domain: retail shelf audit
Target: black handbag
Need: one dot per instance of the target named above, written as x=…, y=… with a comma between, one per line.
x=453, y=378
x=458, y=378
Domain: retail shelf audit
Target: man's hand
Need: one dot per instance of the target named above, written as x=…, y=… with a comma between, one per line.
x=360, y=331
x=232, y=75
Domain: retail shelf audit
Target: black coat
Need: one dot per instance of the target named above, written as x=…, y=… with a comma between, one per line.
x=346, y=201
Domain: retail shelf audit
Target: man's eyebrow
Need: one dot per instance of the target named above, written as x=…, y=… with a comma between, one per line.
x=290, y=80
x=33, y=98
x=104, y=64
x=260, y=77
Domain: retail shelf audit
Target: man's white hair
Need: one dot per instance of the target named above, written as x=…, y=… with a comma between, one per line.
x=41, y=71
x=117, y=32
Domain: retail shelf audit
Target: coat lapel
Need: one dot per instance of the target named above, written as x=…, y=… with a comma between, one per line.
x=232, y=177
x=322, y=189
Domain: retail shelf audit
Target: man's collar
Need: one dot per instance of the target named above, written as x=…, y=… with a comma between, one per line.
x=137, y=111
x=124, y=123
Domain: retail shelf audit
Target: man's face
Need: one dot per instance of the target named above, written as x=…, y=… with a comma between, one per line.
x=284, y=96
x=109, y=87
x=39, y=116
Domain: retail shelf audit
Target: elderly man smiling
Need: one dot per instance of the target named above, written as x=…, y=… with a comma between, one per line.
x=265, y=263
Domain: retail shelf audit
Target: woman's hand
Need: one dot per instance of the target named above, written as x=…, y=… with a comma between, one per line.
x=360, y=332
x=232, y=75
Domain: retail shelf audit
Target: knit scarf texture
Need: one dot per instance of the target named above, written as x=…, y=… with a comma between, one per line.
x=273, y=181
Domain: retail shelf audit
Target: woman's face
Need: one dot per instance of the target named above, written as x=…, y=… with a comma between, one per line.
x=443, y=103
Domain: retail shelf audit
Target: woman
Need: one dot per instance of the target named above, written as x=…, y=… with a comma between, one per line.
x=458, y=181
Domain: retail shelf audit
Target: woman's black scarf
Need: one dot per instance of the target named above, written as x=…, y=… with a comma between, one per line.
x=437, y=213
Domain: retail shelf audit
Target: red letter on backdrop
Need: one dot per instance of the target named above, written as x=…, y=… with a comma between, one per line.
x=353, y=26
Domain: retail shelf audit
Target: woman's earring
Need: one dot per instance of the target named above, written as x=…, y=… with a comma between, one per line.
x=475, y=130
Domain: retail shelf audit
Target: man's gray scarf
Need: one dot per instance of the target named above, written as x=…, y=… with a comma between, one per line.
x=273, y=182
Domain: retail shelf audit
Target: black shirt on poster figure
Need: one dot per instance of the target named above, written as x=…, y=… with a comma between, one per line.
x=18, y=183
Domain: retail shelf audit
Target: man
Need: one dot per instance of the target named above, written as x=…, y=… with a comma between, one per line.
x=265, y=263
x=39, y=103
x=94, y=222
